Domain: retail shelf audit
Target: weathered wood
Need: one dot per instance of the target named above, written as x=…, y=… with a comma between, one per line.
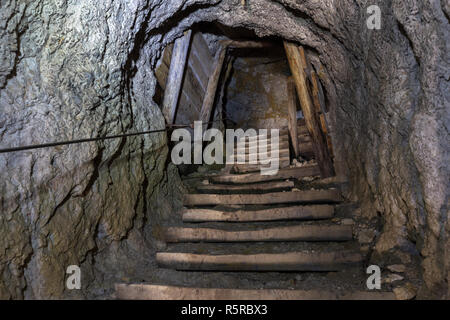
x=202, y=52
x=283, y=153
x=311, y=118
x=254, y=147
x=309, y=196
x=273, y=214
x=282, y=174
x=306, y=149
x=246, y=168
x=278, y=234
x=292, y=261
x=292, y=115
x=246, y=188
x=210, y=95
x=161, y=292
x=175, y=78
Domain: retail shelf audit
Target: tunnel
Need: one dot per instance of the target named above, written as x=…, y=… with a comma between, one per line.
x=108, y=111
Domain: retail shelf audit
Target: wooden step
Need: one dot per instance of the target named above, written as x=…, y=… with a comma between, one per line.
x=292, y=261
x=276, y=234
x=282, y=174
x=283, y=153
x=272, y=214
x=246, y=168
x=254, y=147
x=277, y=185
x=261, y=139
x=163, y=292
x=309, y=196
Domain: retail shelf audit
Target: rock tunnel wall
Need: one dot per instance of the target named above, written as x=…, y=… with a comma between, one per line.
x=71, y=69
x=256, y=96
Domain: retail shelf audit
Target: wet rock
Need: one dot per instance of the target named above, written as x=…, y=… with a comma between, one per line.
x=400, y=268
x=366, y=236
x=405, y=292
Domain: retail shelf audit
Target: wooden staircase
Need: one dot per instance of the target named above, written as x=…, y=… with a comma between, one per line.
x=248, y=236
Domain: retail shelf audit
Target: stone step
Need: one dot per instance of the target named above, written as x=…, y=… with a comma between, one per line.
x=272, y=214
x=292, y=261
x=282, y=174
x=247, y=168
x=164, y=292
x=275, y=234
x=308, y=196
x=257, y=188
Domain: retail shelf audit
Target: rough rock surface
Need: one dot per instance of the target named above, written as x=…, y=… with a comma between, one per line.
x=71, y=69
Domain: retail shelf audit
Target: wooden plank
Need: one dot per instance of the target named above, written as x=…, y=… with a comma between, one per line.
x=246, y=188
x=306, y=149
x=203, y=53
x=210, y=95
x=273, y=214
x=163, y=292
x=277, y=234
x=253, y=148
x=292, y=116
x=289, y=173
x=292, y=261
x=310, y=196
x=312, y=122
x=246, y=168
x=284, y=153
x=176, y=76
x=198, y=70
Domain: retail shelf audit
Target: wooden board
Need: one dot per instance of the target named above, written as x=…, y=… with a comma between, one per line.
x=292, y=116
x=312, y=122
x=277, y=234
x=273, y=214
x=175, y=78
x=246, y=188
x=292, y=261
x=163, y=292
x=210, y=95
x=282, y=174
x=310, y=196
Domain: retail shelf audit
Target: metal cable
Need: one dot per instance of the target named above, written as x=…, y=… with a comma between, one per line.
x=62, y=143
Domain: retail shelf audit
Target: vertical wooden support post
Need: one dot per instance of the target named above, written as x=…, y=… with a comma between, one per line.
x=320, y=107
x=292, y=112
x=213, y=82
x=312, y=120
x=175, y=77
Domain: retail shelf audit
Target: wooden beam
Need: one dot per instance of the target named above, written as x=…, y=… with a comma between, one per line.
x=282, y=174
x=175, y=78
x=163, y=292
x=308, y=196
x=312, y=122
x=317, y=212
x=320, y=107
x=290, y=261
x=210, y=95
x=292, y=116
x=275, y=234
